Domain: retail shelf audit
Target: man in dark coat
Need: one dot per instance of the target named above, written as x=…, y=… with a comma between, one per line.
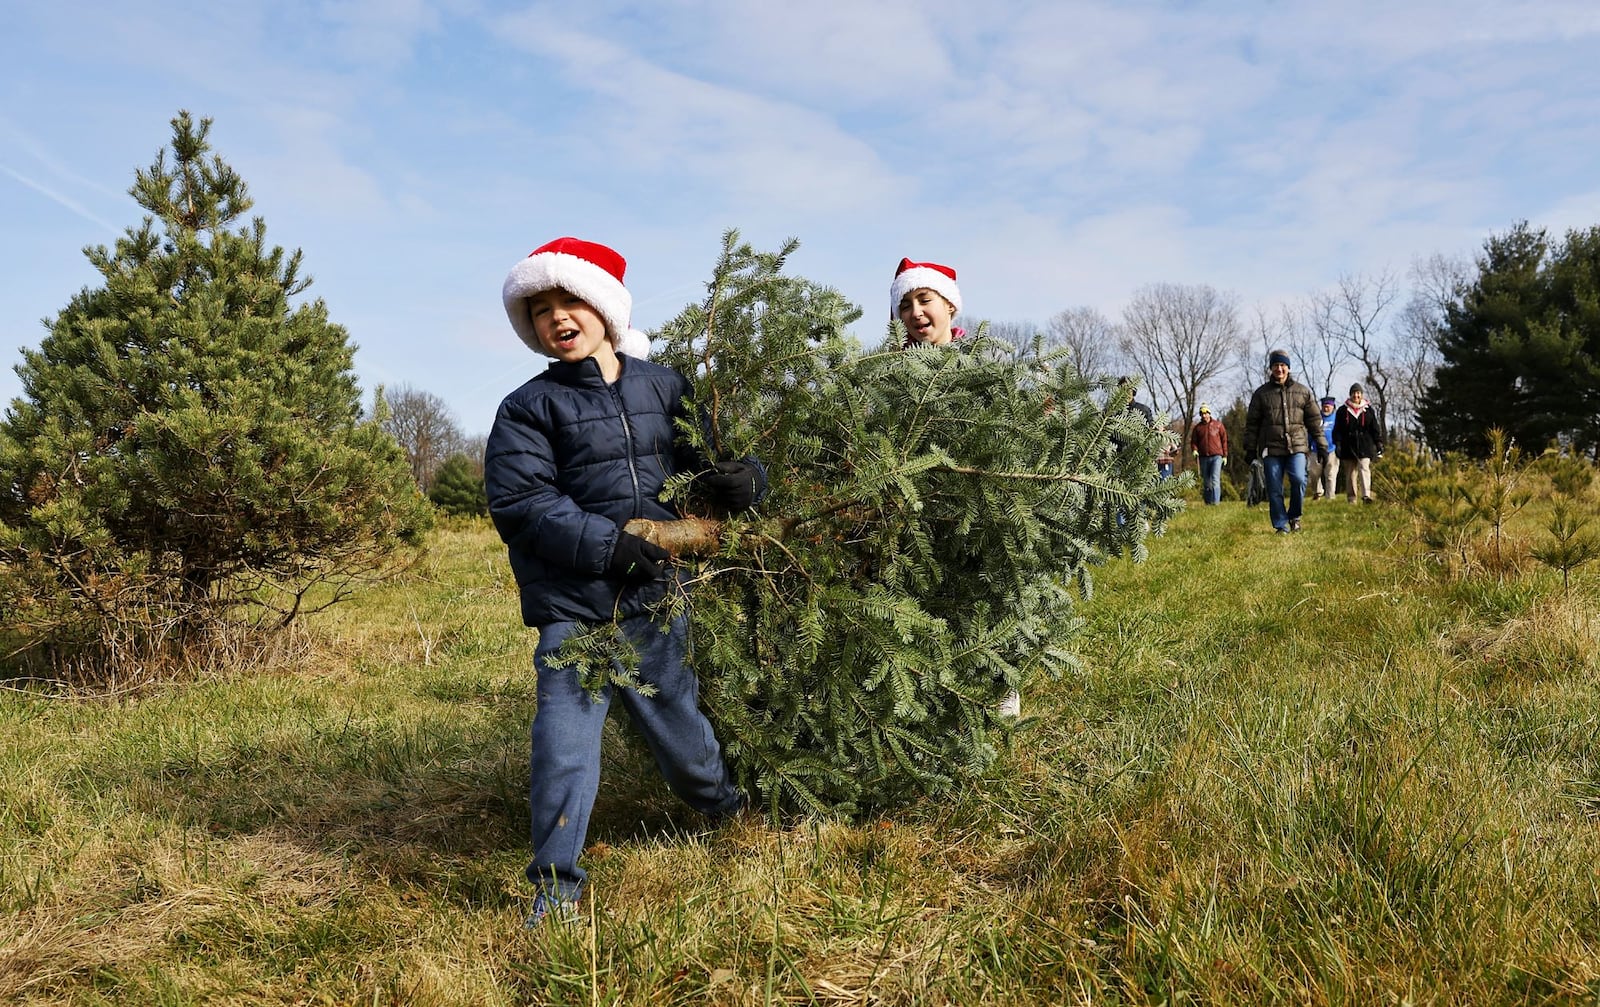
x=1281, y=424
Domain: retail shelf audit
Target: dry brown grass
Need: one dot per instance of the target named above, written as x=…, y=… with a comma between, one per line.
x=1289, y=772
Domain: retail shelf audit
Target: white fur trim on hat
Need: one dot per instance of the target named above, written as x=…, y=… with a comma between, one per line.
x=590, y=271
x=634, y=344
x=918, y=275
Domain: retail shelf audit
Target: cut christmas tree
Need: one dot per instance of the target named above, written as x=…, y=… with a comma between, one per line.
x=932, y=515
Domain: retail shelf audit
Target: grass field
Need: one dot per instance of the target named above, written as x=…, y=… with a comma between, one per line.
x=1294, y=769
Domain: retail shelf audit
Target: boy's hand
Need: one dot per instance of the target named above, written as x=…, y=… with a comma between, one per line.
x=733, y=486
x=637, y=561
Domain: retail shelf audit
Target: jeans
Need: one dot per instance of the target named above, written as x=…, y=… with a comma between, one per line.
x=1211, y=479
x=565, y=769
x=1277, y=466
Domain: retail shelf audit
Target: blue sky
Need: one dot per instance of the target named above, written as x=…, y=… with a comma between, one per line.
x=1056, y=153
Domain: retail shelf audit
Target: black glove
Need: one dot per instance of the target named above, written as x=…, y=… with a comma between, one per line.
x=1322, y=456
x=636, y=560
x=734, y=486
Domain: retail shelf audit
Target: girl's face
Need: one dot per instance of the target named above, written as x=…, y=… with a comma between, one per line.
x=926, y=316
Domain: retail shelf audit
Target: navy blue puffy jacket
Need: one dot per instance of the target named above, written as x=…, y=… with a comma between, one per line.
x=569, y=461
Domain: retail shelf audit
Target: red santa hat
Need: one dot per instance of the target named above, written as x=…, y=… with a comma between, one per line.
x=591, y=271
x=917, y=275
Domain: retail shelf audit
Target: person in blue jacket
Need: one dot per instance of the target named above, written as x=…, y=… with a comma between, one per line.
x=1325, y=476
x=574, y=454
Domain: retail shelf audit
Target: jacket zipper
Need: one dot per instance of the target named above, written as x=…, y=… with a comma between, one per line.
x=627, y=440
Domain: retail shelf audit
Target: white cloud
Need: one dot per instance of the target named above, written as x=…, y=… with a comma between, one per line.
x=1057, y=153
x=645, y=120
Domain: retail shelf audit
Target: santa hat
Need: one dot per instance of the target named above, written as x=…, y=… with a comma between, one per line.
x=590, y=271
x=917, y=275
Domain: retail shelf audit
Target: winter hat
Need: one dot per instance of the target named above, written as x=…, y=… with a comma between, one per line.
x=590, y=271
x=1329, y=400
x=1205, y=410
x=1278, y=357
x=1357, y=388
x=916, y=275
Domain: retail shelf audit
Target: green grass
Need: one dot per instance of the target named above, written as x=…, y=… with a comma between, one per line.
x=1293, y=770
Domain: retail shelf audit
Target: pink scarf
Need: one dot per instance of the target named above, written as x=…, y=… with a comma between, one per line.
x=1355, y=410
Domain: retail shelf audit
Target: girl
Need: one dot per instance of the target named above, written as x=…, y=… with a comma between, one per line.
x=925, y=298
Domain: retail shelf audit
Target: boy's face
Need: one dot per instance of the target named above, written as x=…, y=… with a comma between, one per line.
x=567, y=327
x=926, y=316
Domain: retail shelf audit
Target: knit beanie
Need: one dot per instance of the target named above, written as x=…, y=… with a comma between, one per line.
x=588, y=270
x=1357, y=388
x=917, y=275
x=1278, y=357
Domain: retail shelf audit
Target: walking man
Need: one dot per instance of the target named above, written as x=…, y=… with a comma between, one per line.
x=1281, y=425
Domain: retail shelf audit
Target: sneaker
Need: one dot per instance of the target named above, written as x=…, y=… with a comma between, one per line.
x=1281, y=531
x=1366, y=499
x=1011, y=706
x=1294, y=525
x=556, y=910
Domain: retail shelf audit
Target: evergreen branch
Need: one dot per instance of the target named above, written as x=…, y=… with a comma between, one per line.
x=1048, y=477
x=715, y=419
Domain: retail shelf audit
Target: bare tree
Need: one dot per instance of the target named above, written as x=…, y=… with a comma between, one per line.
x=1437, y=282
x=423, y=426
x=1265, y=332
x=1322, y=347
x=1354, y=311
x=1089, y=336
x=1018, y=334
x=473, y=447
x=1440, y=280
x=1182, y=338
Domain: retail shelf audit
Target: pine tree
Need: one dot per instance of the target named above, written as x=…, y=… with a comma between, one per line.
x=189, y=443
x=458, y=488
x=931, y=517
x=1520, y=349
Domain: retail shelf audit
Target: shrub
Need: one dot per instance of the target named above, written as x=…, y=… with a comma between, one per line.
x=188, y=452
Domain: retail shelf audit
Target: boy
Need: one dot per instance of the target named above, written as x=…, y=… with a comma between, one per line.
x=574, y=454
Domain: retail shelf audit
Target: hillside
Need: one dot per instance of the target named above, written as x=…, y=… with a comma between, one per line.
x=1291, y=769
